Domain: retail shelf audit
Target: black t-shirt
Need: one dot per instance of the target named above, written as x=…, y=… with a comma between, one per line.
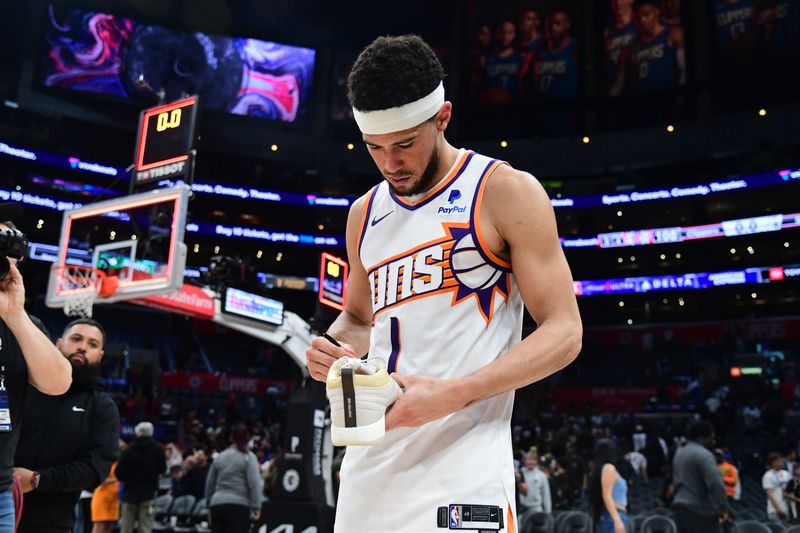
x=16, y=382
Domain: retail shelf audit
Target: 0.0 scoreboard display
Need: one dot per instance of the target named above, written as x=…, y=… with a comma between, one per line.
x=165, y=140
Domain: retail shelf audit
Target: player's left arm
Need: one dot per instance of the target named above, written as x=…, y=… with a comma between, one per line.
x=518, y=222
x=519, y=225
x=677, y=42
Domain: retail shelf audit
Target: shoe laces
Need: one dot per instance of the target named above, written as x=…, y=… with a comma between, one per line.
x=369, y=366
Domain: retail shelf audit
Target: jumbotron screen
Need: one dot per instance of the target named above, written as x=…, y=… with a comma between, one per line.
x=107, y=54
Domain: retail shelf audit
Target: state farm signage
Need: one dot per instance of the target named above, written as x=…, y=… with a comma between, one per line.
x=189, y=300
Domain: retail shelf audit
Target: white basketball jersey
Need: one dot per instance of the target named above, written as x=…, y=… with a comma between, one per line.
x=444, y=306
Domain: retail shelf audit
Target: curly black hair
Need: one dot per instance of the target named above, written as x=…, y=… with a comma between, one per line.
x=393, y=71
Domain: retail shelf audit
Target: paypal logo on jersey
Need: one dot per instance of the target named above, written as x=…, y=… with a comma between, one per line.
x=455, y=194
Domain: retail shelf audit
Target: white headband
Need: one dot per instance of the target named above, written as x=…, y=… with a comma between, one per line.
x=402, y=117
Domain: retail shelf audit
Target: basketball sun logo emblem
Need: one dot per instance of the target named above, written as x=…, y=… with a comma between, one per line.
x=470, y=268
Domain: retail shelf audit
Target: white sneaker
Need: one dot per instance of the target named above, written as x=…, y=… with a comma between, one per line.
x=359, y=393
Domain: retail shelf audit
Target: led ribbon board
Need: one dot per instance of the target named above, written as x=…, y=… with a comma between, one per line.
x=164, y=142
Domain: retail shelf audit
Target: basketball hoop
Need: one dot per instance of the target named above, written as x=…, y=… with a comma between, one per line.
x=80, y=286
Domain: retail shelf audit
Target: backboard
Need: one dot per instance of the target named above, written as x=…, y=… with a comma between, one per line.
x=137, y=239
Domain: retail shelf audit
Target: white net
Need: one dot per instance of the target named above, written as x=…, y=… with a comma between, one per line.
x=80, y=287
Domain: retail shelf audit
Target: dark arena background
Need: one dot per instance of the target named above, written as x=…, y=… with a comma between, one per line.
x=673, y=170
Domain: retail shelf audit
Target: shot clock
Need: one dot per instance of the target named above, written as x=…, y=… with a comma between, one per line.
x=164, y=142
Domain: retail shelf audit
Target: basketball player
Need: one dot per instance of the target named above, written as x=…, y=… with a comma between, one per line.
x=444, y=253
x=735, y=23
x=777, y=29
x=618, y=36
x=531, y=39
x=671, y=13
x=556, y=69
x=531, y=43
x=657, y=59
x=501, y=69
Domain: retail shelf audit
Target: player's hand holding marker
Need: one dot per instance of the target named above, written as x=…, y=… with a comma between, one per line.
x=323, y=352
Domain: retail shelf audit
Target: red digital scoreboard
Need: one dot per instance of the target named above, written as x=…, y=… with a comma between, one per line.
x=333, y=281
x=164, y=142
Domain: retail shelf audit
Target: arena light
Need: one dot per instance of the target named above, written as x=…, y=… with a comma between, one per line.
x=762, y=112
x=586, y=139
x=274, y=147
x=503, y=144
x=670, y=128
x=350, y=146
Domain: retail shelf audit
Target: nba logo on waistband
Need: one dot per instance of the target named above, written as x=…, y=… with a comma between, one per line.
x=455, y=516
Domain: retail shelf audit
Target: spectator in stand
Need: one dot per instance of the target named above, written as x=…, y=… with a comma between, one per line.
x=792, y=494
x=533, y=487
x=233, y=487
x=173, y=455
x=657, y=455
x=699, y=499
x=175, y=474
x=639, y=439
x=574, y=475
x=194, y=478
x=608, y=491
x=774, y=482
x=105, y=501
x=730, y=476
x=638, y=464
x=139, y=469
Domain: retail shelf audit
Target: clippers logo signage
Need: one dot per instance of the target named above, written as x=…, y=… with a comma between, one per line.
x=333, y=281
x=164, y=141
x=450, y=264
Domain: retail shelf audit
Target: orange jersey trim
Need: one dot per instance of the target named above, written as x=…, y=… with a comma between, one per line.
x=476, y=217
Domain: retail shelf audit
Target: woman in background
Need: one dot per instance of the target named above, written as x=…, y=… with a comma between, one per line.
x=233, y=486
x=608, y=491
x=105, y=501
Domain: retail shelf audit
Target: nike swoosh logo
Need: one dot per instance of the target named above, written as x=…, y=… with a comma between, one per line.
x=78, y=409
x=376, y=219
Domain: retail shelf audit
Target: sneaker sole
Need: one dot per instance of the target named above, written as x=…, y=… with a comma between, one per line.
x=359, y=435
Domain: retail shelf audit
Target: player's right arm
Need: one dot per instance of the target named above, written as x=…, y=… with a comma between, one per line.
x=352, y=327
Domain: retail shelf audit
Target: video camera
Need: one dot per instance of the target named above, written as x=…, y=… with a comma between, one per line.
x=13, y=243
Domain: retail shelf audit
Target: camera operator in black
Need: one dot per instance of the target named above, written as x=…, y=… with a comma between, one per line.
x=68, y=442
x=26, y=356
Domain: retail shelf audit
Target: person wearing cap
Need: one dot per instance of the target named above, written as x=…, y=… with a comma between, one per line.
x=138, y=469
x=26, y=357
x=444, y=255
x=68, y=442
